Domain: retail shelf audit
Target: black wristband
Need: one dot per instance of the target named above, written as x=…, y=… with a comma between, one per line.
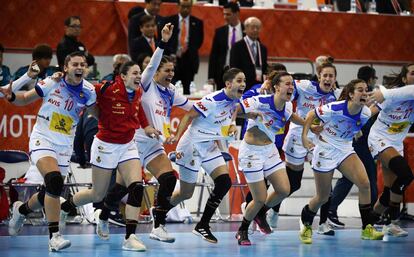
x=13, y=97
x=162, y=44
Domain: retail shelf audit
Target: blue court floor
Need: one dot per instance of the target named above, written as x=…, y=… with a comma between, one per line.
x=284, y=242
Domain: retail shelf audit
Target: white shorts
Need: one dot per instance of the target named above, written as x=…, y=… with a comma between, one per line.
x=42, y=147
x=148, y=148
x=327, y=157
x=108, y=156
x=195, y=155
x=258, y=162
x=295, y=153
x=378, y=143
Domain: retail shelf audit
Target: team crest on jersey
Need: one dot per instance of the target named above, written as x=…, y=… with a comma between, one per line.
x=81, y=95
x=98, y=159
x=115, y=91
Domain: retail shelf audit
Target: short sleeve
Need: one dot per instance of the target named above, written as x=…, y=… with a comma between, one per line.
x=205, y=106
x=324, y=112
x=43, y=87
x=249, y=104
x=181, y=102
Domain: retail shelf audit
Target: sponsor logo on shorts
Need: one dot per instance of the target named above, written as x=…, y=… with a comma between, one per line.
x=318, y=164
x=37, y=143
x=249, y=165
x=192, y=162
x=98, y=159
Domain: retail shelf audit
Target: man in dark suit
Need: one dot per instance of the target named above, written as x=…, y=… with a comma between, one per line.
x=146, y=43
x=152, y=7
x=185, y=41
x=249, y=54
x=224, y=38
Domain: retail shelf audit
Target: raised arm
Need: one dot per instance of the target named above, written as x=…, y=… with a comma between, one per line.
x=398, y=94
x=152, y=67
x=28, y=77
x=19, y=98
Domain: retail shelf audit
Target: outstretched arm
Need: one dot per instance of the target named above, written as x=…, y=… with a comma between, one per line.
x=398, y=94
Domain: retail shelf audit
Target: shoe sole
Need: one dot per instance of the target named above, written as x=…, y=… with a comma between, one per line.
x=154, y=237
x=57, y=250
x=105, y=238
x=195, y=232
x=133, y=250
x=330, y=233
x=116, y=223
x=333, y=224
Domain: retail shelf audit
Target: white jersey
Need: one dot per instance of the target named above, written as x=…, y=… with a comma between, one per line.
x=340, y=126
x=60, y=110
x=394, y=119
x=273, y=120
x=308, y=96
x=216, y=110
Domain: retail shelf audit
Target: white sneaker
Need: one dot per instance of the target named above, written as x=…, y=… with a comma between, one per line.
x=133, y=244
x=102, y=228
x=325, y=229
x=272, y=218
x=161, y=234
x=57, y=242
x=394, y=230
x=252, y=227
x=17, y=220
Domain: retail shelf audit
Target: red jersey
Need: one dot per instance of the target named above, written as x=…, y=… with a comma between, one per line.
x=118, y=117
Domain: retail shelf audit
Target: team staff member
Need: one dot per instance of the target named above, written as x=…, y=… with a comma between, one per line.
x=120, y=114
x=211, y=120
x=342, y=121
x=51, y=140
x=258, y=155
x=385, y=141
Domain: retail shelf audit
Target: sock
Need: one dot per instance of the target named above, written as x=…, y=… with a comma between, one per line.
x=393, y=211
x=262, y=211
x=276, y=208
x=104, y=213
x=24, y=209
x=324, y=212
x=245, y=225
x=131, y=226
x=53, y=228
x=307, y=216
x=365, y=210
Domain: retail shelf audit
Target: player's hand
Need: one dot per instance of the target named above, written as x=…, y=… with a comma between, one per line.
x=166, y=32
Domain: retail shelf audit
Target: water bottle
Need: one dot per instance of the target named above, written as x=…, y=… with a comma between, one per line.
x=353, y=7
x=193, y=88
x=179, y=88
x=372, y=7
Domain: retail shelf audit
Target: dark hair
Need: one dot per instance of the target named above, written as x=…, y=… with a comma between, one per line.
x=349, y=88
x=230, y=74
x=1, y=48
x=233, y=6
x=326, y=65
x=69, y=19
x=146, y=19
x=42, y=51
x=123, y=68
x=73, y=54
x=165, y=59
x=366, y=73
x=278, y=77
x=276, y=67
x=141, y=57
x=398, y=80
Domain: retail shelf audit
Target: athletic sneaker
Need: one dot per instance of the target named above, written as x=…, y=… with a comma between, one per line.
x=205, y=233
x=161, y=234
x=263, y=225
x=133, y=243
x=369, y=233
x=325, y=229
x=243, y=238
x=272, y=218
x=334, y=221
x=115, y=218
x=57, y=242
x=102, y=226
x=305, y=233
x=17, y=220
x=394, y=229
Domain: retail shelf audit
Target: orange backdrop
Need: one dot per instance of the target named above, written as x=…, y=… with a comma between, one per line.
x=287, y=33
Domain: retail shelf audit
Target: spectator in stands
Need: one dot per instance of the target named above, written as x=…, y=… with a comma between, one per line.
x=43, y=55
x=146, y=43
x=343, y=185
x=143, y=60
x=152, y=8
x=187, y=38
x=70, y=43
x=5, y=75
x=117, y=59
x=224, y=38
x=249, y=54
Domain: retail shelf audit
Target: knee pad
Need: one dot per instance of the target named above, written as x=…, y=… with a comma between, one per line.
x=385, y=197
x=167, y=183
x=222, y=185
x=404, y=174
x=115, y=194
x=41, y=195
x=295, y=179
x=135, y=191
x=54, y=184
